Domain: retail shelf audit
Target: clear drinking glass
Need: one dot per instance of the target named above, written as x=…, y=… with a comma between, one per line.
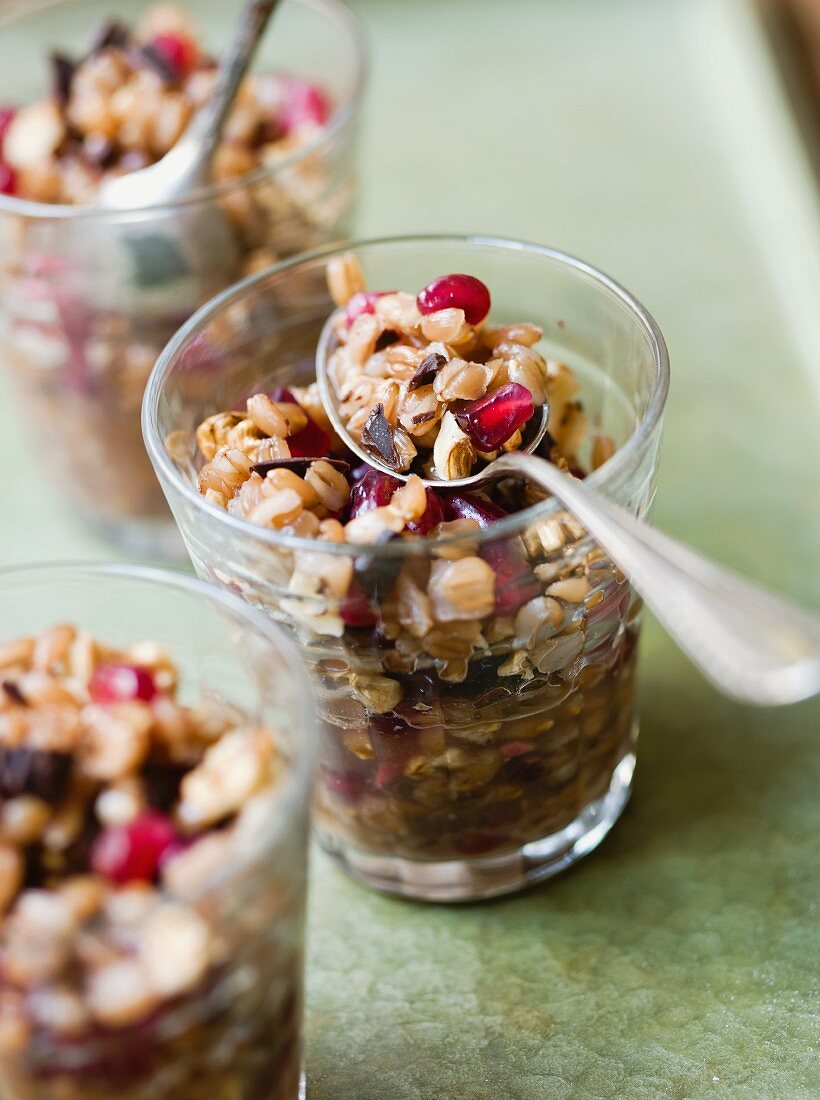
x=239, y=1034
x=82, y=315
x=459, y=772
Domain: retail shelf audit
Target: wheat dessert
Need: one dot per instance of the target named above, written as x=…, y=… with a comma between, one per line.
x=462, y=715
x=82, y=336
x=127, y=966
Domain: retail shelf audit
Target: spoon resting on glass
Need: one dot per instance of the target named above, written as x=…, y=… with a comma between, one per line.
x=750, y=643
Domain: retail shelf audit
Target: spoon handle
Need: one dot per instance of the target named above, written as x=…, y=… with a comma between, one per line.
x=210, y=121
x=750, y=643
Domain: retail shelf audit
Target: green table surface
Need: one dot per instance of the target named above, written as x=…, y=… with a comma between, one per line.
x=680, y=960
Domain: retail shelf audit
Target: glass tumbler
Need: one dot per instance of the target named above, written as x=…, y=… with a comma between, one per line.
x=486, y=757
x=238, y=1032
x=88, y=298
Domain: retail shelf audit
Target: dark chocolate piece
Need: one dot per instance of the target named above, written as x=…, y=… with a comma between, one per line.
x=379, y=438
x=427, y=370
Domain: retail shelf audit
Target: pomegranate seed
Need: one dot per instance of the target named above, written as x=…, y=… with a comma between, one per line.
x=478, y=844
x=134, y=852
x=364, y=301
x=355, y=608
x=395, y=742
x=178, y=50
x=517, y=748
x=491, y=420
x=433, y=514
x=374, y=490
x=515, y=582
x=8, y=180
x=311, y=440
x=347, y=785
x=456, y=292
x=303, y=104
x=113, y=683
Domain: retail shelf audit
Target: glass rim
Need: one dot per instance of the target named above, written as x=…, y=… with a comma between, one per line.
x=305, y=747
x=608, y=473
x=336, y=11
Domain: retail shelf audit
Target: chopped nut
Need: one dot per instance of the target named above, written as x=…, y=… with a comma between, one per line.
x=453, y=453
x=231, y=770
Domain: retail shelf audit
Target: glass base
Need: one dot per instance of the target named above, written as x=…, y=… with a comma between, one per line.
x=490, y=876
x=149, y=539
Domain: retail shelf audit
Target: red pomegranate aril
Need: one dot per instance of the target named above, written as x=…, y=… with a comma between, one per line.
x=135, y=852
x=178, y=50
x=479, y=844
x=374, y=490
x=115, y=683
x=355, y=608
x=364, y=301
x=491, y=420
x=8, y=180
x=433, y=514
x=456, y=292
x=347, y=785
x=311, y=440
x=517, y=748
x=302, y=104
x=515, y=582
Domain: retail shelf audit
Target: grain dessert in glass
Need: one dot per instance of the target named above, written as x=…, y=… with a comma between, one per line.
x=156, y=752
x=90, y=295
x=472, y=653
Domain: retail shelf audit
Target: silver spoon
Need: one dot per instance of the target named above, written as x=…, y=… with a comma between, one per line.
x=176, y=258
x=752, y=644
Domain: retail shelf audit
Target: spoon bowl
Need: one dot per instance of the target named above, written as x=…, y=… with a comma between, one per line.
x=534, y=430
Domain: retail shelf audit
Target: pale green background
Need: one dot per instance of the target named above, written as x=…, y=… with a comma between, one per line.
x=681, y=959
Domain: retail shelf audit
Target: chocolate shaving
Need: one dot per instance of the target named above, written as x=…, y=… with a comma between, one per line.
x=160, y=65
x=387, y=339
x=379, y=438
x=375, y=575
x=427, y=370
x=99, y=151
x=14, y=693
x=34, y=771
x=422, y=418
x=112, y=34
x=298, y=465
x=62, y=75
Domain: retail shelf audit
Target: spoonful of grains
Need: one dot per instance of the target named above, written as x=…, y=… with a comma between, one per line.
x=424, y=386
